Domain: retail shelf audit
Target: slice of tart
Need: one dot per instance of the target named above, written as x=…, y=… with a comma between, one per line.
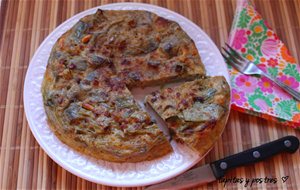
x=96, y=114
x=146, y=49
x=195, y=112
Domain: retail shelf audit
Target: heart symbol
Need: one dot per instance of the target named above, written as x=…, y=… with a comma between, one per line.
x=285, y=178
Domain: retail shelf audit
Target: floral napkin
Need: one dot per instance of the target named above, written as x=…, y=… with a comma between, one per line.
x=252, y=37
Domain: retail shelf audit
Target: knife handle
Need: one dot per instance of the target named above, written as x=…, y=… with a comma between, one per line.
x=286, y=144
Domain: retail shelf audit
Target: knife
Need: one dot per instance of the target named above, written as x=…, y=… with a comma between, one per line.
x=217, y=169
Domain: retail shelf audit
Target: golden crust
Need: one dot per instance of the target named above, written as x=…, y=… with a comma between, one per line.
x=160, y=149
x=107, y=146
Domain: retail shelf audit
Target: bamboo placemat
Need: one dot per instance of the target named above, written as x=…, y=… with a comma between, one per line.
x=25, y=24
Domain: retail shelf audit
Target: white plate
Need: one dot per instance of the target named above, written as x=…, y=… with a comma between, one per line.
x=113, y=174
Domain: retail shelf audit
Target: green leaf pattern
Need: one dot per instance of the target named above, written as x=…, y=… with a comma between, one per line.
x=286, y=108
x=273, y=71
x=292, y=71
x=244, y=19
x=258, y=95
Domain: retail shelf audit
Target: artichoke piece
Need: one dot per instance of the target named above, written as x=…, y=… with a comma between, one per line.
x=78, y=63
x=72, y=112
x=206, y=95
x=80, y=28
x=203, y=112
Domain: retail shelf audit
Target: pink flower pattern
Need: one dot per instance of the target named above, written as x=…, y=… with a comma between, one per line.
x=269, y=47
x=265, y=85
x=290, y=81
x=247, y=83
x=239, y=39
x=238, y=97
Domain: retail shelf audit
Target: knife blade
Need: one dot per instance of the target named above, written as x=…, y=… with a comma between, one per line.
x=217, y=169
x=159, y=121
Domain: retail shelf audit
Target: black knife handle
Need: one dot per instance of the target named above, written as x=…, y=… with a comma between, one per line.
x=286, y=144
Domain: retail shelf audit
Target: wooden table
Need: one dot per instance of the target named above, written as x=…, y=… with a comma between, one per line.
x=25, y=24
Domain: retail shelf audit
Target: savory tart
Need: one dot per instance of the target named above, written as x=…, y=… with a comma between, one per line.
x=92, y=65
x=195, y=112
x=99, y=117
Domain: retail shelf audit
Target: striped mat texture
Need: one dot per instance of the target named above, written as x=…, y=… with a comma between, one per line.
x=25, y=24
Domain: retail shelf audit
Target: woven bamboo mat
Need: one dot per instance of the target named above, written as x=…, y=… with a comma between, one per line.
x=25, y=24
